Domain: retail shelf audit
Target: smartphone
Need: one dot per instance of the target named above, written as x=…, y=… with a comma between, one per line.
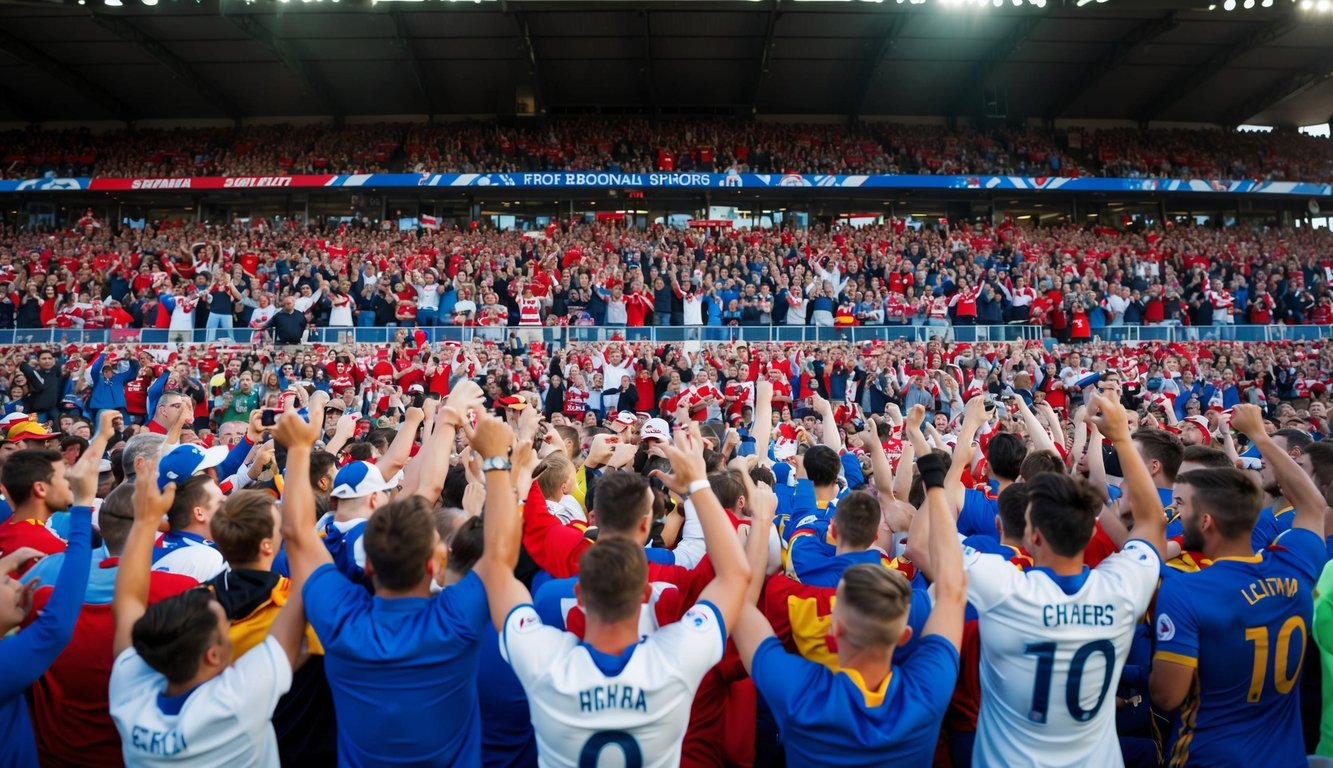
x=270, y=417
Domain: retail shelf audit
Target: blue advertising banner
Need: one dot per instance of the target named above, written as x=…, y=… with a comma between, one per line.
x=663, y=180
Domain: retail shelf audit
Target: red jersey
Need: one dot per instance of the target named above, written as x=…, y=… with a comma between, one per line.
x=28, y=533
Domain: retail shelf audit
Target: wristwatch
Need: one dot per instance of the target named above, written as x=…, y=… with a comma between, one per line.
x=496, y=464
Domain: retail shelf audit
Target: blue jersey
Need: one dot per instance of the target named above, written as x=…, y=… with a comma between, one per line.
x=835, y=719
x=1245, y=700
x=977, y=517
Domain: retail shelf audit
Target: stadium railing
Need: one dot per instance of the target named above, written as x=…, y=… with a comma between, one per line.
x=676, y=334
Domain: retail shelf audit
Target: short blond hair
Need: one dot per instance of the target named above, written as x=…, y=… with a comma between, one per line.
x=553, y=472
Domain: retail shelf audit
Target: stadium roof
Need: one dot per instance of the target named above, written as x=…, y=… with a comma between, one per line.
x=1145, y=60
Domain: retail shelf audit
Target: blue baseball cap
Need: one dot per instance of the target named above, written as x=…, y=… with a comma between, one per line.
x=185, y=461
x=361, y=478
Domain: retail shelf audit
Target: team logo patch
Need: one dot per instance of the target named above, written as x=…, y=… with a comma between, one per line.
x=1166, y=630
x=527, y=623
x=698, y=618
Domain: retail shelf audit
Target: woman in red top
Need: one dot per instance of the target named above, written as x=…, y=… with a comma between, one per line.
x=1079, y=327
x=965, y=304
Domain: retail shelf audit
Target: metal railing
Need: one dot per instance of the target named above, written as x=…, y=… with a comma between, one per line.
x=675, y=334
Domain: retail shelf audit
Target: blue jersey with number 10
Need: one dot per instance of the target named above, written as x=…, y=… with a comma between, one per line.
x=1244, y=625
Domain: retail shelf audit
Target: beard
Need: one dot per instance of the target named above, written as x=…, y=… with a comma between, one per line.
x=1192, y=536
x=1273, y=489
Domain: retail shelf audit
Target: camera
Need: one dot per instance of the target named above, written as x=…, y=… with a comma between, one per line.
x=270, y=417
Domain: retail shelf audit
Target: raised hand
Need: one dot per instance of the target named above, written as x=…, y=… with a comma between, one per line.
x=292, y=431
x=686, y=454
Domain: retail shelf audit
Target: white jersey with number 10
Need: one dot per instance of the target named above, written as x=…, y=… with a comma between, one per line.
x=1052, y=648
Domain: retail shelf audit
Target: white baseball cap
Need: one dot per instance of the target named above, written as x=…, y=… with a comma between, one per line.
x=361, y=478
x=655, y=429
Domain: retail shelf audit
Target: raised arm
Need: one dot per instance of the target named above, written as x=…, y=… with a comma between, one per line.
x=131, y=596
x=1297, y=486
x=763, y=417
x=689, y=479
x=948, y=579
x=298, y=436
x=305, y=551
x=1149, y=520
x=1041, y=441
x=502, y=528
x=831, y=437
x=974, y=415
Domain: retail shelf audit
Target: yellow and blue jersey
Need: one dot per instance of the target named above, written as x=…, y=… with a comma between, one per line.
x=833, y=718
x=1244, y=625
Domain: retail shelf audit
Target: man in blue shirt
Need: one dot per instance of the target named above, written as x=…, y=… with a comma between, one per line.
x=402, y=663
x=869, y=712
x=1232, y=662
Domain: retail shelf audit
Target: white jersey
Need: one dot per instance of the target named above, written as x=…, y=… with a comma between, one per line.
x=591, y=709
x=1052, y=649
x=225, y=721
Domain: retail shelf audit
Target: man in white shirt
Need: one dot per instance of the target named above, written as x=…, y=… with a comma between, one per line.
x=175, y=695
x=615, y=689
x=186, y=548
x=1055, y=637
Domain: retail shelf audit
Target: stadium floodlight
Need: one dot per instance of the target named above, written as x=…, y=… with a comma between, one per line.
x=113, y=3
x=1249, y=4
x=1267, y=3
x=149, y=3
x=1229, y=5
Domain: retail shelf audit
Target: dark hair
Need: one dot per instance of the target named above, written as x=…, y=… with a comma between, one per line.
x=1013, y=509
x=727, y=488
x=320, y=464
x=1205, y=457
x=455, y=483
x=190, y=494
x=115, y=517
x=1064, y=509
x=1296, y=438
x=172, y=634
x=399, y=540
x=1005, y=454
x=245, y=520
x=1321, y=459
x=1038, y=462
x=1163, y=447
x=68, y=440
x=26, y=467
x=822, y=465
x=762, y=474
x=612, y=575
x=857, y=518
x=1228, y=495
x=466, y=544
x=621, y=500
x=916, y=494
x=380, y=438
x=360, y=451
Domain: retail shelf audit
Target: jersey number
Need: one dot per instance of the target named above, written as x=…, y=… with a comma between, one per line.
x=592, y=750
x=1281, y=680
x=1041, y=691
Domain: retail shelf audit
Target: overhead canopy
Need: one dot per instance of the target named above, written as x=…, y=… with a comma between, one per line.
x=1144, y=60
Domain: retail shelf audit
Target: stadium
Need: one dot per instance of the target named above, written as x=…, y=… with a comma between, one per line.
x=695, y=382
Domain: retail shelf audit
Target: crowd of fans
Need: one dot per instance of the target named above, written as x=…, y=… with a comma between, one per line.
x=278, y=281
x=491, y=552
x=637, y=145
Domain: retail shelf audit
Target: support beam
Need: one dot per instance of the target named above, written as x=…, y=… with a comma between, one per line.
x=765, y=53
x=885, y=47
x=403, y=39
x=529, y=51
x=1179, y=88
x=649, y=85
x=1142, y=34
x=974, y=83
x=26, y=53
x=249, y=24
x=179, y=69
x=1289, y=86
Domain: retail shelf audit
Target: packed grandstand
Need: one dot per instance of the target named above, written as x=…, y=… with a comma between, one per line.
x=646, y=438
x=640, y=146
